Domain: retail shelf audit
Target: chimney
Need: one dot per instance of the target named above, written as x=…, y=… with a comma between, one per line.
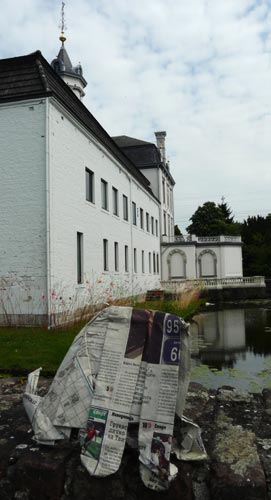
x=160, y=141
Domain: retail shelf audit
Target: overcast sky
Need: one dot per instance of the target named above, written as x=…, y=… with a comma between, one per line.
x=199, y=69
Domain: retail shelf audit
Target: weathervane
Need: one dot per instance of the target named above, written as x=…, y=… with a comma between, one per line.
x=62, y=25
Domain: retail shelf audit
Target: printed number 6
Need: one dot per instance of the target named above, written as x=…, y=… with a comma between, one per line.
x=175, y=354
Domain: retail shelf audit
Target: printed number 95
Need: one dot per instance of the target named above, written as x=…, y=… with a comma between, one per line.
x=173, y=326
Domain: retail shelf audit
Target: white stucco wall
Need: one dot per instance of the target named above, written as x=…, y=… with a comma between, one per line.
x=22, y=213
x=232, y=261
x=73, y=150
x=152, y=174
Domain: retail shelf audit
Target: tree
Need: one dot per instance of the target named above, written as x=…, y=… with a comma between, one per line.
x=213, y=220
x=256, y=237
x=227, y=212
x=177, y=230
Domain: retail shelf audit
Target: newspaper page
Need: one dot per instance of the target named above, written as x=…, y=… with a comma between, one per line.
x=110, y=411
x=159, y=401
x=68, y=400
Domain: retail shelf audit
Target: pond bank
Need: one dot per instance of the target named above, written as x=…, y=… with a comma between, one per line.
x=236, y=430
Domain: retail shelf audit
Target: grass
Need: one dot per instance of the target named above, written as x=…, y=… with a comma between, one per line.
x=24, y=349
x=173, y=307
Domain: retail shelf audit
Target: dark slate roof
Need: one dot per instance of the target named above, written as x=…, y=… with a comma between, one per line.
x=124, y=141
x=143, y=154
x=31, y=76
x=63, y=56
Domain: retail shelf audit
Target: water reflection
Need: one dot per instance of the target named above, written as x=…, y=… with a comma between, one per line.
x=222, y=339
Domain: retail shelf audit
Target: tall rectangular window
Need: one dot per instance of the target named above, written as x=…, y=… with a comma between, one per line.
x=156, y=227
x=165, y=223
x=126, y=259
x=135, y=261
x=141, y=218
x=104, y=194
x=125, y=207
x=164, y=192
x=116, y=255
x=150, y=262
x=168, y=224
x=89, y=185
x=157, y=263
x=154, y=263
x=143, y=261
x=79, y=258
x=105, y=254
x=115, y=201
x=152, y=225
x=134, y=212
x=147, y=222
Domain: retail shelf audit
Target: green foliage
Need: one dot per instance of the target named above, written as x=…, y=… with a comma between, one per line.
x=172, y=307
x=213, y=220
x=177, y=230
x=256, y=237
x=227, y=212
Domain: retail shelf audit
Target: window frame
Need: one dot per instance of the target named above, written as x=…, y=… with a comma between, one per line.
x=134, y=217
x=80, y=257
x=126, y=258
x=147, y=222
x=116, y=255
x=89, y=184
x=104, y=195
x=115, y=201
x=156, y=228
x=152, y=225
x=125, y=207
x=105, y=255
x=141, y=218
x=135, y=260
x=143, y=261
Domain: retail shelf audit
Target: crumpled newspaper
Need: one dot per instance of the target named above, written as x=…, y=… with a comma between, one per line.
x=126, y=368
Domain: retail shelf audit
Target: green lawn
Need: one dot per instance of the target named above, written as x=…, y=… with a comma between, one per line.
x=24, y=349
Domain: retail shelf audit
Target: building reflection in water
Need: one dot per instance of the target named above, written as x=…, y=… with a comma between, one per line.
x=218, y=338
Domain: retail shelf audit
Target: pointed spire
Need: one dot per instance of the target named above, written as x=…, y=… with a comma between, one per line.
x=62, y=65
x=62, y=25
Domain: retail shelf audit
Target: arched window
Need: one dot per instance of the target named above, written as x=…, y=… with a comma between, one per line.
x=176, y=261
x=207, y=264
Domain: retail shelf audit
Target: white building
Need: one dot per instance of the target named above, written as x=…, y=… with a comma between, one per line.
x=83, y=216
x=199, y=258
x=71, y=203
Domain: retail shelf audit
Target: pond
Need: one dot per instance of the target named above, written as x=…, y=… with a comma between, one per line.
x=232, y=347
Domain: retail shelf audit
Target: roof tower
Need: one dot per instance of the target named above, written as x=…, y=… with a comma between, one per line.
x=72, y=75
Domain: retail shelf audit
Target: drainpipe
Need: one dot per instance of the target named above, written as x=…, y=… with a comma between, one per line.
x=131, y=234
x=48, y=214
